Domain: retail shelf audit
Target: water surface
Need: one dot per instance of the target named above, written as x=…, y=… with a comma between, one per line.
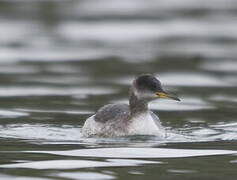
x=62, y=60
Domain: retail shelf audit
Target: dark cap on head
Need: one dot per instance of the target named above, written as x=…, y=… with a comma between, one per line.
x=148, y=82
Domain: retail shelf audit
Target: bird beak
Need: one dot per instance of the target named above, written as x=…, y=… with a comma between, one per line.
x=166, y=95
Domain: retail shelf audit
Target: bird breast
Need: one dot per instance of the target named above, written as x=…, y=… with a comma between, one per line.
x=145, y=124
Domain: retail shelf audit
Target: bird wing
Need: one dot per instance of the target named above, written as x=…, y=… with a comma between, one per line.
x=112, y=112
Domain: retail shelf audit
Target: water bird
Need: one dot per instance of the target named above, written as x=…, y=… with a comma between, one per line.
x=130, y=119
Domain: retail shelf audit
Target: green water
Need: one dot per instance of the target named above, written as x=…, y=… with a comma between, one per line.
x=62, y=60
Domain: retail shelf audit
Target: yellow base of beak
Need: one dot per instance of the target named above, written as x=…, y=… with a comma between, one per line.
x=166, y=95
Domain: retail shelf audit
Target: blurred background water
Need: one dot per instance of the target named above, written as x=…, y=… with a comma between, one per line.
x=62, y=60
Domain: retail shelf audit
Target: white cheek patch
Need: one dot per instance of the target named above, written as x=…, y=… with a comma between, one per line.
x=148, y=95
x=144, y=94
x=136, y=93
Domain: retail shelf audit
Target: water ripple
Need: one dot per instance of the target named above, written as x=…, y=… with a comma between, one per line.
x=76, y=164
x=139, y=153
x=84, y=175
x=12, y=114
x=49, y=91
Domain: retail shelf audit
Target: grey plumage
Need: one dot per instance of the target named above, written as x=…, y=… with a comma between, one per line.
x=113, y=112
x=135, y=118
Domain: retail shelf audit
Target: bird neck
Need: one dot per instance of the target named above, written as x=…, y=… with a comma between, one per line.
x=137, y=106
